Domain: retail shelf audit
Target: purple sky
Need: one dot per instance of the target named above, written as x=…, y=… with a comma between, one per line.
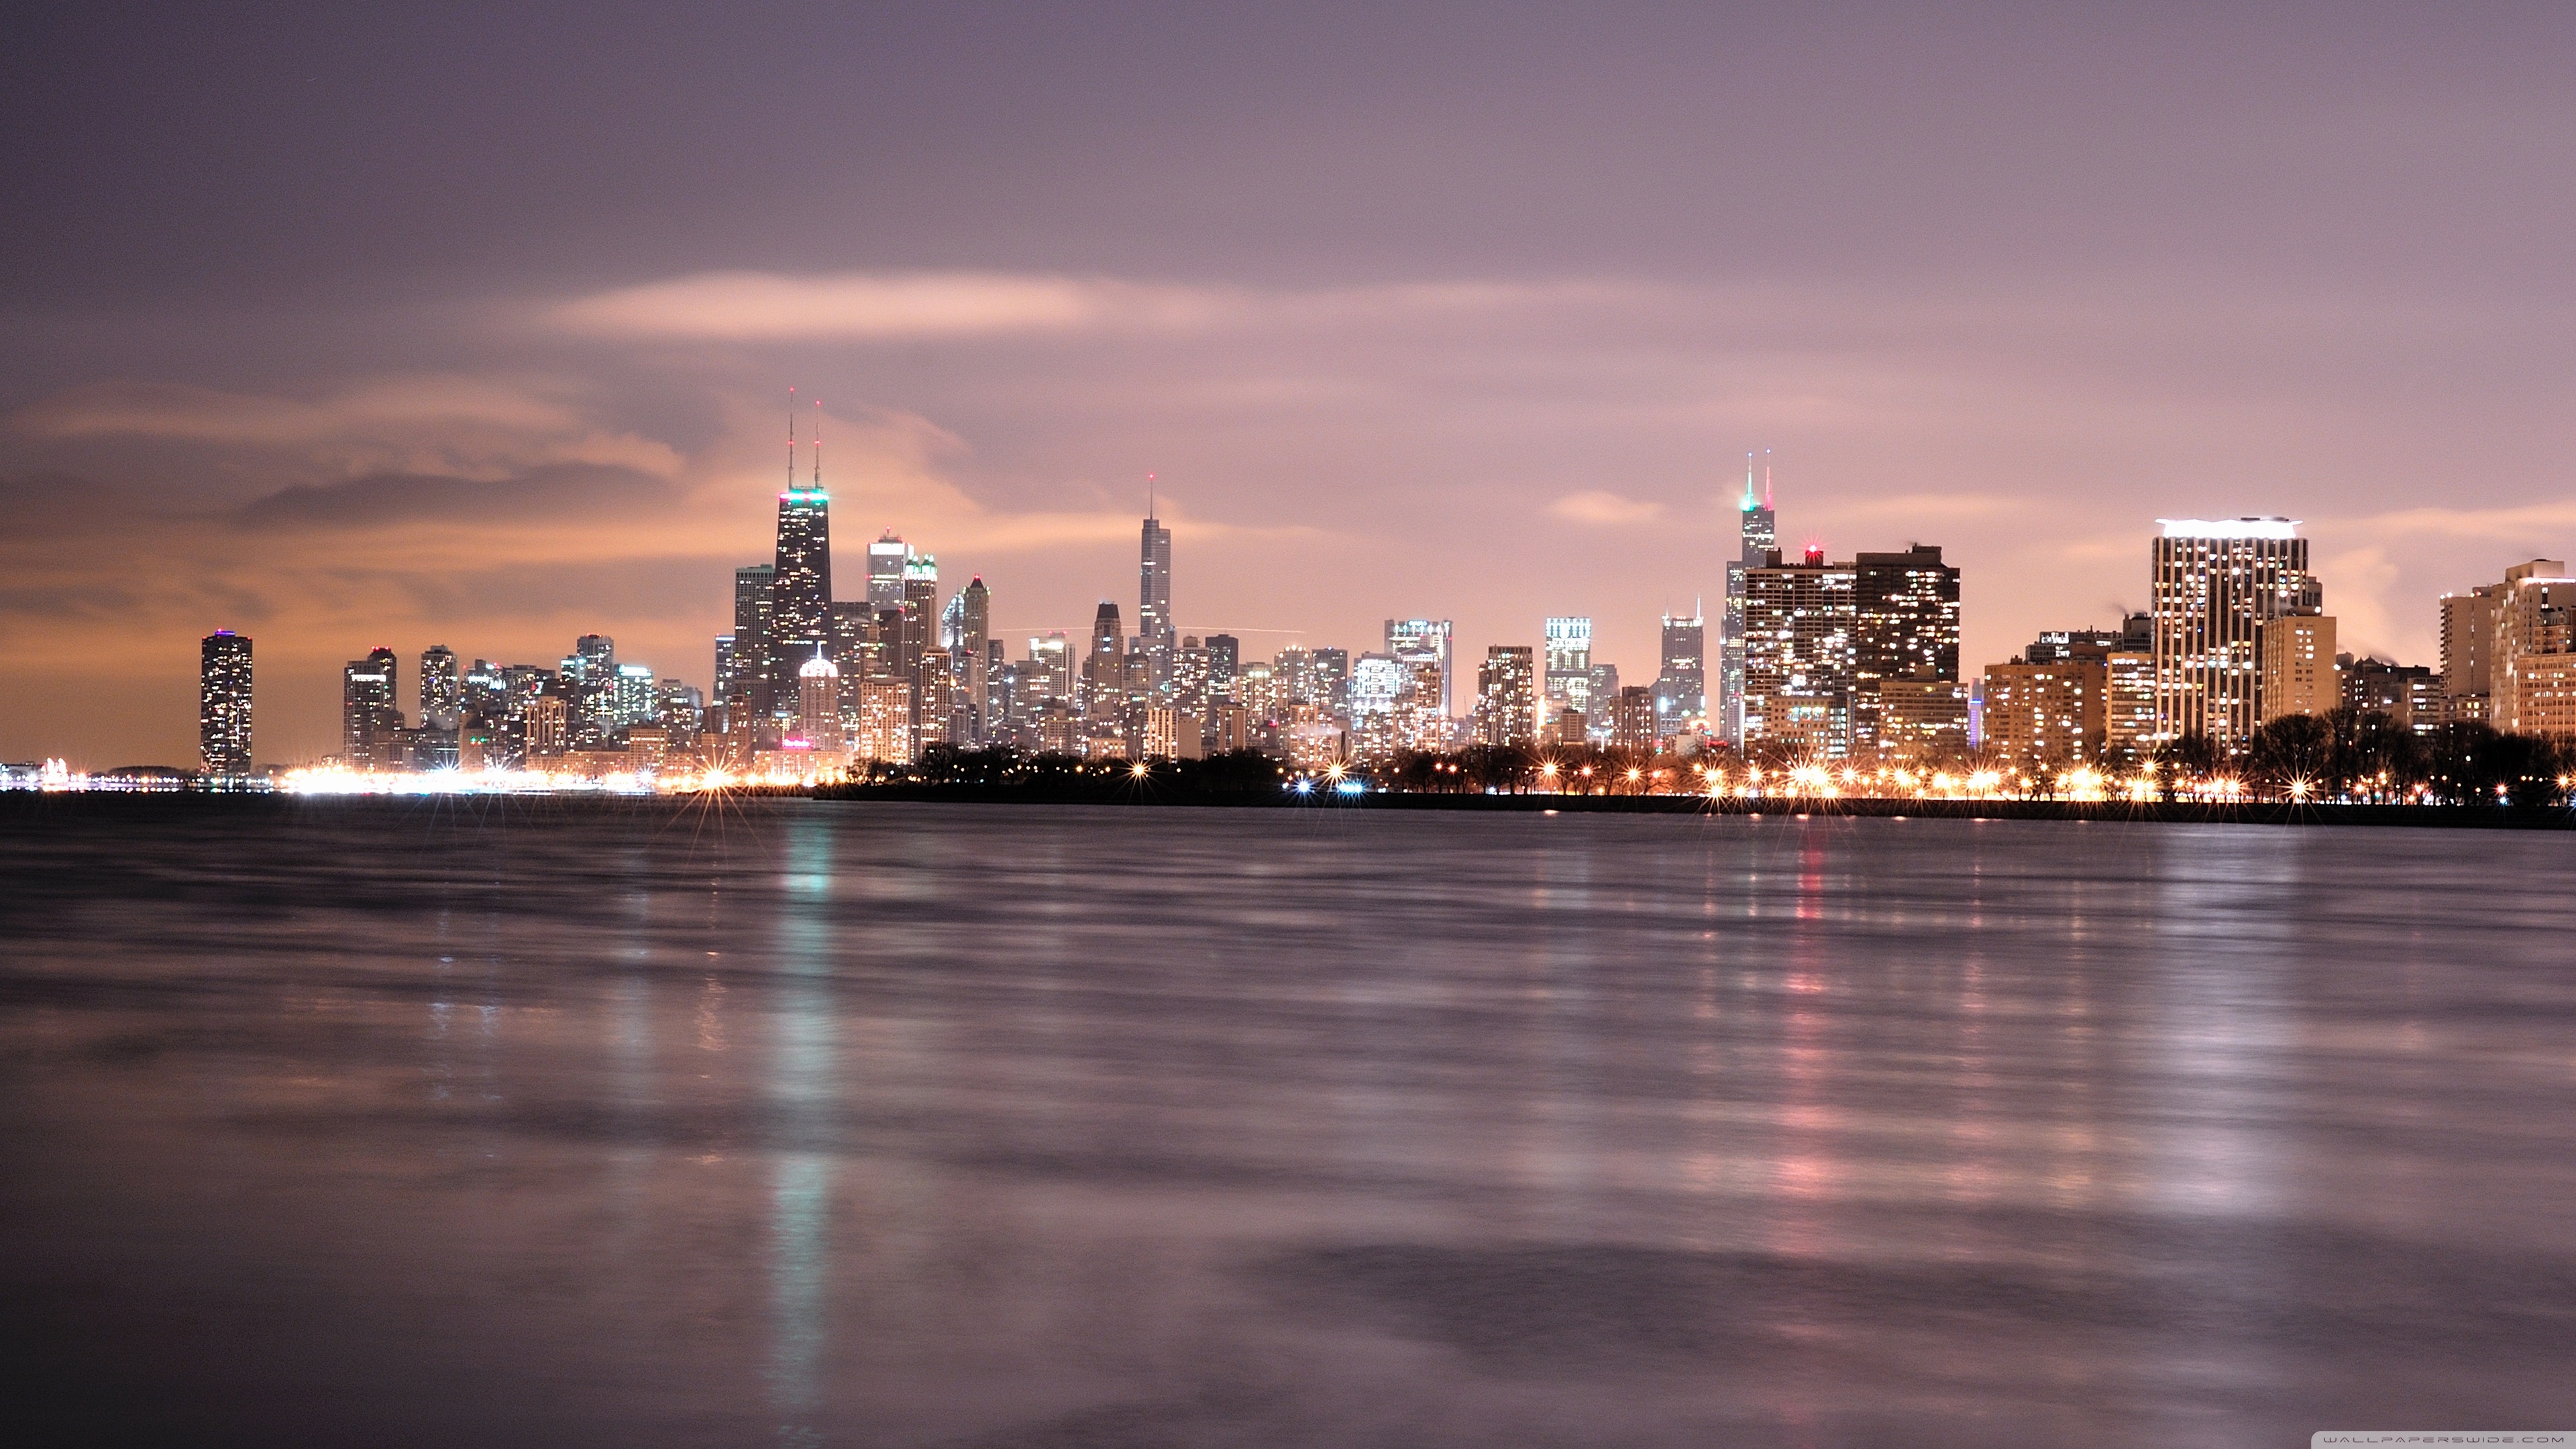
x=353, y=328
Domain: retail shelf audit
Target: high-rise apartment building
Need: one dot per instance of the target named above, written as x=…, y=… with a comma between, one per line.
x=2409, y=694
x=2216, y=584
x=1681, y=686
x=1172, y=734
x=886, y=558
x=370, y=722
x=2532, y=665
x=1225, y=658
x=2298, y=652
x=1758, y=536
x=223, y=705
x=2468, y=647
x=747, y=692
x=2042, y=718
x=1799, y=657
x=1632, y=720
x=1905, y=626
x=1565, y=680
x=1422, y=720
x=885, y=720
x=1419, y=641
x=1506, y=715
x=1050, y=668
x=442, y=688
x=1154, y=603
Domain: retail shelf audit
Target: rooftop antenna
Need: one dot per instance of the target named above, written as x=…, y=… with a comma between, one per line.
x=1766, y=477
x=1149, y=495
x=818, y=445
x=1748, y=480
x=791, y=440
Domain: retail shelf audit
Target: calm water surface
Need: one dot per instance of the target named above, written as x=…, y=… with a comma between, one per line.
x=546, y=1124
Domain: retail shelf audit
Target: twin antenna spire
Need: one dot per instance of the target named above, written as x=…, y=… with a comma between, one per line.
x=791, y=442
x=1748, y=479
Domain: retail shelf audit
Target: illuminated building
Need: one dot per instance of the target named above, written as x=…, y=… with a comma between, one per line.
x=1260, y=689
x=800, y=592
x=2468, y=646
x=635, y=701
x=1312, y=738
x=1416, y=641
x=818, y=704
x=1566, y=664
x=1190, y=676
x=1104, y=666
x=1920, y=720
x=1905, y=625
x=681, y=707
x=1507, y=698
x=1328, y=673
x=1567, y=729
x=2217, y=583
x=547, y=720
x=885, y=721
x=590, y=678
x=2410, y=695
x=2298, y=653
x=1051, y=668
x=1758, y=532
x=2128, y=705
x=2533, y=660
x=1799, y=657
x=486, y=690
x=1376, y=680
x=974, y=635
x=1681, y=685
x=1602, y=692
x=2045, y=716
x=746, y=692
x=885, y=571
x=1154, y=603
x=370, y=724
x=1422, y=720
x=1058, y=728
x=1632, y=720
x=223, y=705
x=1231, y=727
x=1225, y=657
x=1171, y=734
x=442, y=689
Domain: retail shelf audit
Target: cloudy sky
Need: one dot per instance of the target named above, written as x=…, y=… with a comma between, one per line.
x=345, y=328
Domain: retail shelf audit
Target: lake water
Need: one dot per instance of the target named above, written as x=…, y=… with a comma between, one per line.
x=532, y=1123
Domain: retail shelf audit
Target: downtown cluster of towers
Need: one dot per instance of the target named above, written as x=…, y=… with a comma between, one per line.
x=1818, y=662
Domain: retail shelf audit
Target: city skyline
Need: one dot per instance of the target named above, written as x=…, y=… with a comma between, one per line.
x=1380, y=303
x=1825, y=665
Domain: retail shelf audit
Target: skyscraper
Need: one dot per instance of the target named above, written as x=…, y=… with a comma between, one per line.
x=2534, y=654
x=800, y=587
x=1225, y=659
x=1507, y=698
x=442, y=690
x=1681, y=685
x=1566, y=677
x=975, y=642
x=1104, y=665
x=1905, y=627
x=746, y=692
x=2217, y=582
x=818, y=704
x=885, y=571
x=370, y=722
x=223, y=705
x=1758, y=531
x=1154, y=605
x=1799, y=657
x=1414, y=641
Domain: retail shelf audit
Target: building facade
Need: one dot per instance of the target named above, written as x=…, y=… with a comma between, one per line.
x=1799, y=657
x=223, y=705
x=2216, y=584
x=1507, y=698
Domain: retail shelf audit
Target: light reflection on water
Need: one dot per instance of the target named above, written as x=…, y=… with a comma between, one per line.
x=811, y=1124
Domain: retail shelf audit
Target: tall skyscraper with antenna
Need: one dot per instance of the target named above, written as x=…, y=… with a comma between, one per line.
x=1154, y=584
x=1760, y=534
x=800, y=608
